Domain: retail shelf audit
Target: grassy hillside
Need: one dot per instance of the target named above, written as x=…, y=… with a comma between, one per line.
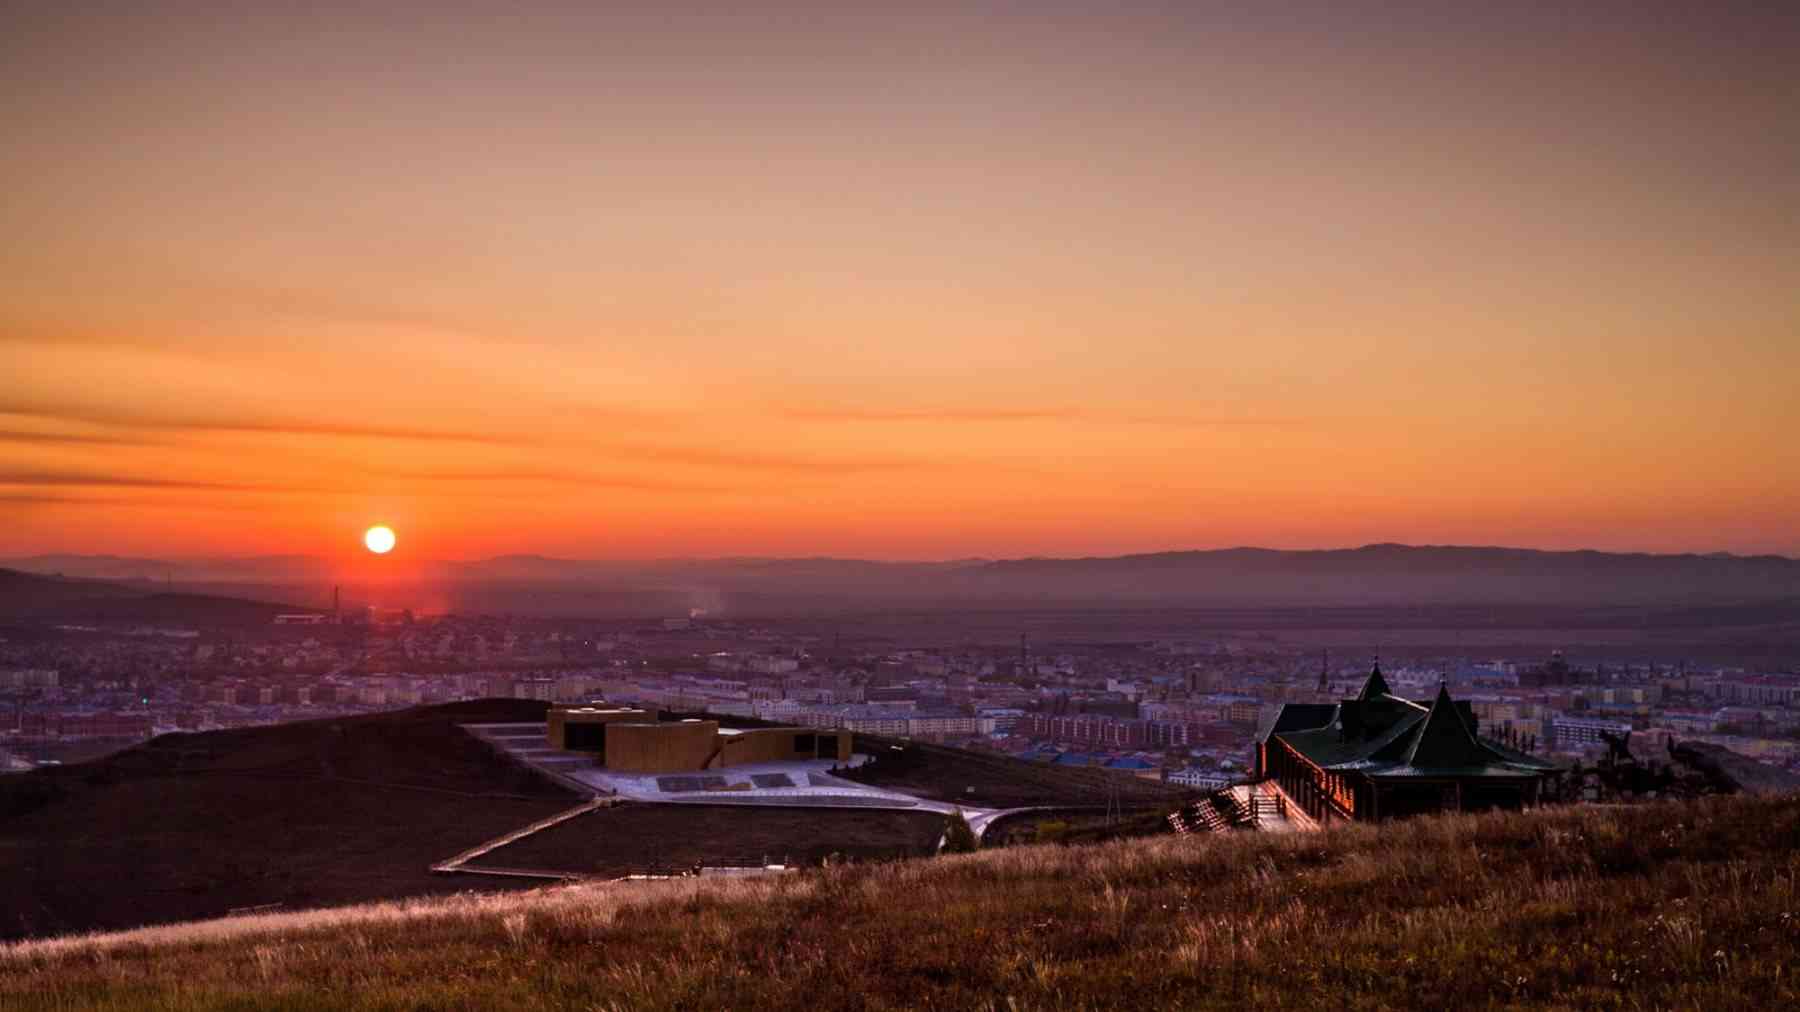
x=1680, y=904
x=341, y=810
x=995, y=781
x=632, y=838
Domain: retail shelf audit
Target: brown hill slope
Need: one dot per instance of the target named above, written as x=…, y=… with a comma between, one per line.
x=24, y=593
x=996, y=781
x=306, y=814
x=40, y=598
x=636, y=839
x=1671, y=905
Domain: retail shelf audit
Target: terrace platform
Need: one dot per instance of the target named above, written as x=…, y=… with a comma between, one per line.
x=800, y=783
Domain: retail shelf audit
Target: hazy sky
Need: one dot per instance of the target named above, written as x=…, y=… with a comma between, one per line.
x=970, y=279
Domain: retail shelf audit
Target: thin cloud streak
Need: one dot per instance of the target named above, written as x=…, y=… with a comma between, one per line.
x=361, y=432
x=143, y=422
x=328, y=307
x=50, y=479
x=833, y=414
x=558, y=477
x=29, y=436
x=1190, y=422
x=30, y=499
x=1003, y=415
x=57, y=479
x=754, y=461
x=698, y=456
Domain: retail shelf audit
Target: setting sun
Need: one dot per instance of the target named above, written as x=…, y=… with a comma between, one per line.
x=379, y=539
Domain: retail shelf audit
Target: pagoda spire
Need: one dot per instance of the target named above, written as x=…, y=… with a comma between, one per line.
x=1445, y=739
x=1376, y=686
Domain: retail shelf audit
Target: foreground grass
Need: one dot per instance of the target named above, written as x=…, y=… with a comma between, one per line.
x=1672, y=905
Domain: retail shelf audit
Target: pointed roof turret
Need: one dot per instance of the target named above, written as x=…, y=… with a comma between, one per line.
x=1376, y=686
x=1445, y=739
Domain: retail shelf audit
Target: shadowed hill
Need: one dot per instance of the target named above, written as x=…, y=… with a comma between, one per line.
x=1398, y=574
x=1689, y=905
x=1373, y=575
x=305, y=814
x=997, y=781
x=37, y=597
x=23, y=593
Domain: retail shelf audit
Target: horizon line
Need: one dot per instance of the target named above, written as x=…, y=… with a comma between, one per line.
x=934, y=561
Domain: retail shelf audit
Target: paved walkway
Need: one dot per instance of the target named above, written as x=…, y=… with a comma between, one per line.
x=456, y=863
x=1275, y=811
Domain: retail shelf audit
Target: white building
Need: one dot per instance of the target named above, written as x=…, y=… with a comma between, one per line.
x=1206, y=780
x=1582, y=732
x=29, y=678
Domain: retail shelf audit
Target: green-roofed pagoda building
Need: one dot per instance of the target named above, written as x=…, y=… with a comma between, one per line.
x=1380, y=756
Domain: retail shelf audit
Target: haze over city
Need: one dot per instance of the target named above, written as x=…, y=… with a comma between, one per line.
x=915, y=284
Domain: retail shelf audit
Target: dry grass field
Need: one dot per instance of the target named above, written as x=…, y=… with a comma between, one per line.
x=638, y=838
x=1673, y=905
x=995, y=781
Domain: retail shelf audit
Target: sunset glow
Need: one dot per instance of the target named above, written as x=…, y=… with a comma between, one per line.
x=917, y=284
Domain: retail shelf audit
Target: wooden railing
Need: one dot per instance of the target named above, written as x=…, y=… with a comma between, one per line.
x=1261, y=804
x=1332, y=788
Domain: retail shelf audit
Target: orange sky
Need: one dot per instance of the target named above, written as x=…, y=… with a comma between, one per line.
x=912, y=285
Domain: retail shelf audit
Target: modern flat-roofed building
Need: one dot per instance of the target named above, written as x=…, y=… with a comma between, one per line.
x=686, y=745
x=1584, y=732
x=661, y=747
x=738, y=747
x=583, y=728
x=636, y=741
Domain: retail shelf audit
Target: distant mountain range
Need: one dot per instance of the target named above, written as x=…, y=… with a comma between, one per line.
x=58, y=598
x=1385, y=575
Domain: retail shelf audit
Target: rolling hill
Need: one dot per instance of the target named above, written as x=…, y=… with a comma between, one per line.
x=1373, y=575
x=305, y=814
x=36, y=597
x=1663, y=905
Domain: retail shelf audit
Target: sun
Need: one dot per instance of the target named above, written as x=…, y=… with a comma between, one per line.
x=379, y=539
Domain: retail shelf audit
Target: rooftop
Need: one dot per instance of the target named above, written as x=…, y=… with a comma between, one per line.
x=1382, y=735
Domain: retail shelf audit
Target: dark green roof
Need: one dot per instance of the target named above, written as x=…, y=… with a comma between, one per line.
x=1296, y=717
x=1446, y=739
x=1385, y=736
x=1376, y=687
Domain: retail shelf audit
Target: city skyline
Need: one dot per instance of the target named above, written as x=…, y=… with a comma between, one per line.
x=920, y=285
